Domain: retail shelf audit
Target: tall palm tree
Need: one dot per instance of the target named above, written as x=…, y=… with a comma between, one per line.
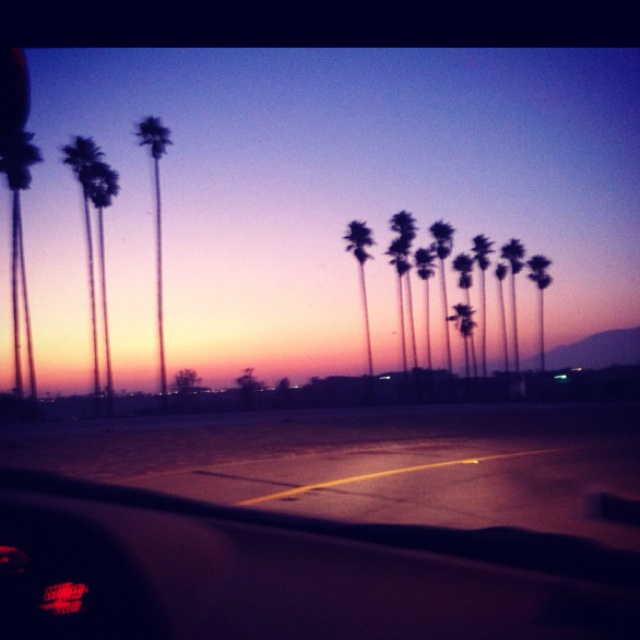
x=398, y=252
x=404, y=224
x=443, y=232
x=81, y=155
x=481, y=250
x=538, y=265
x=17, y=155
x=360, y=237
x=465, y=325
x=102, y=186
x=463, y=264
x=152, y=133
x=424, y=259
x=501, y=274
x=514, y=252
x=27, y=316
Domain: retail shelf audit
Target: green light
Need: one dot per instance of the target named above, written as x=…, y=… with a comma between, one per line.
x=560, y=377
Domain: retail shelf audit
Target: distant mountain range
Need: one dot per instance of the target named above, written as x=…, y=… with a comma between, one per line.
x=616, y=347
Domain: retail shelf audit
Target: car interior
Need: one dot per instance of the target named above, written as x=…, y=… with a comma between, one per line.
x=79, y=559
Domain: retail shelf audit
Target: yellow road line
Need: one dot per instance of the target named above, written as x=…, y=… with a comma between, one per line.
x=392, y=472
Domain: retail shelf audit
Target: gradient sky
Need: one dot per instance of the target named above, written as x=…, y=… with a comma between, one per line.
x=274, y=152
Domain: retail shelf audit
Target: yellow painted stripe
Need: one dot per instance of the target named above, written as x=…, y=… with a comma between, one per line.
x=392, y=472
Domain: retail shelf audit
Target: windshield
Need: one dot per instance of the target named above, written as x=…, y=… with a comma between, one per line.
x=368, y=285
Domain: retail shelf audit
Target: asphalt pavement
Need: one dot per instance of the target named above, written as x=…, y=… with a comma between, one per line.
x=538, y=467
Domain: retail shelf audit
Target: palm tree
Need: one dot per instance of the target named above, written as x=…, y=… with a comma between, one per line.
x=538, y=265
x=481, y=250
x=27, y=315
x=463, y=264
x=17, y=154
x=465, y=325
x=151, y=132
x=102, y=186
x=501, y=274
x=359, y=237
x=404, y=224
x=397, y=250
x=81, y=155
x=443, y=235
x=514, y=252
x=424, y=258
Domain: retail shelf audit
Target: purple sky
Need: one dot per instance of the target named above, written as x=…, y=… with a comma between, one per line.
x=274, y=152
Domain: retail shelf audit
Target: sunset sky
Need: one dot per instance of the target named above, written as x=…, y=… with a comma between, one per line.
x=274, y=152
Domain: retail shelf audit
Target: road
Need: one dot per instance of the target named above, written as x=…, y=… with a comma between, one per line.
x=533, y=466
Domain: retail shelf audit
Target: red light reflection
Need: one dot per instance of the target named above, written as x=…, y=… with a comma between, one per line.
x=12, y=560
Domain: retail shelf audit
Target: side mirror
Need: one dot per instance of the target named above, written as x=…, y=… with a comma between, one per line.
x=15, y=92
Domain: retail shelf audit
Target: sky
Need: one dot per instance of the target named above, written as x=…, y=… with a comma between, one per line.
x=274, y=152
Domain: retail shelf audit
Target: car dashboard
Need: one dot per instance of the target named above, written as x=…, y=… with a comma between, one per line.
x=83, y=560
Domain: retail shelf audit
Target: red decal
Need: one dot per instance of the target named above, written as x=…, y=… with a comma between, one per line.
x=63, y=598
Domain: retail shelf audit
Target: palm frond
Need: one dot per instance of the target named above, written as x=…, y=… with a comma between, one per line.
x=359, y=236
x=152, y=132
x=442, y=232
x=17, y=154
x=514, y=252
x=404, y=223
x=102, y=183
x=501, y=271
x=425, y=262
x=481, y=249
x=538, y=265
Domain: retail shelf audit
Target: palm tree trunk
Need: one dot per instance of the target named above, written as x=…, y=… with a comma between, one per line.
x=411, y=321
x=27, y=316
x=515, y=323
x=473, y=342
x=363, y=286
x=92, y=295
x=402, y=334
x=542, y=331
x=484, y=323
x=429, y=362
x=18, y=390
x=163, y=367
x=466, y=356
x=103, y=278
x=473, y=356
x=446, y=316
x=504, y=327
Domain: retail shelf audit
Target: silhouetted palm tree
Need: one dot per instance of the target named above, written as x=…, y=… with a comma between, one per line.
x=151, y=132
x=404, y=224
x=463, y=264
x=481, y=250
x=103, y=185
x=397, y=250
x=465, y=325
x=443, y=232
x=27, y=316
x=359, y=237
x=424, y=258
x=17, y=155
x=81, y=155
x=501, y=274
x=514, y=252
x=538, y=265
